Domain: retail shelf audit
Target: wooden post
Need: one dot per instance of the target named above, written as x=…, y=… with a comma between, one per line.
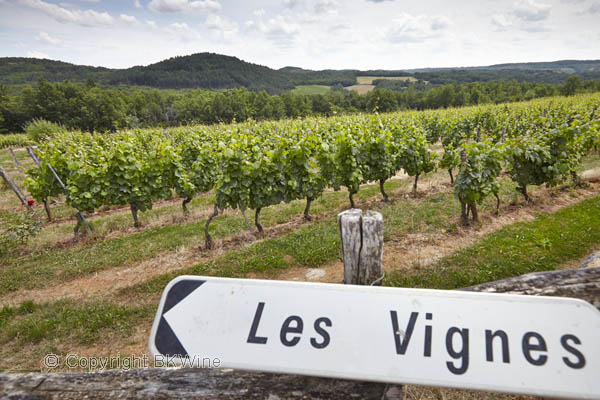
x=33, y=156
x=15, y=189
x=464, y=207
x=362, y=246
x=349, y=223
x=14, y=157
x=37, y=162
x=371, y=255
x=361, y=237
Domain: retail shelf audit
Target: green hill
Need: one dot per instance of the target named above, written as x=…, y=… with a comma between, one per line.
x=206, y=71
x=18, y=70
x=202, y=70
x=218, y=72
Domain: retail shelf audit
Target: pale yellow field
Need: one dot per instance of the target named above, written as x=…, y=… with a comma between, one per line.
x=368, y=80
x=361, y=89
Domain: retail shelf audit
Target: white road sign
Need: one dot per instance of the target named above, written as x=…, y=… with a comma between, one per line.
x=519, y=344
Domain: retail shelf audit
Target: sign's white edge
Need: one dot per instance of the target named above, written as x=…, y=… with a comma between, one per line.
x=357, y=288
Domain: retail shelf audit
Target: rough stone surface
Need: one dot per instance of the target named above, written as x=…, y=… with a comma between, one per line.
x=182, y=383
x=591, y=261
x=314, y=274
x=576, y=283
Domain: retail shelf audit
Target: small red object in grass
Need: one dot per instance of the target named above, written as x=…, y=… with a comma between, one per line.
x=30, y=202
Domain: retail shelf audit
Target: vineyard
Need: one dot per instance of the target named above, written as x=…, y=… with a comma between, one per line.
x=257, y=165
x=468, y=196
x=13, y=141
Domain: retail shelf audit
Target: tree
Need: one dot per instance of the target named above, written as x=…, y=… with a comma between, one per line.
x=570, y=88
x=381, y=100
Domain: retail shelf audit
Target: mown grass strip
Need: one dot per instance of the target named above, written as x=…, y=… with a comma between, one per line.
x=539, y=245
x=83, y=322
x=309, y=246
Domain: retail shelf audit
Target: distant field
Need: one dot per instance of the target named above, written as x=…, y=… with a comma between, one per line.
x=368, y=80
x=361, y=89
x=364, y=84
x=311, y=89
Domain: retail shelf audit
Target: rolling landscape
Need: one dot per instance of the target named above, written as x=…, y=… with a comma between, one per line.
x=214, y=71
x=128, y=186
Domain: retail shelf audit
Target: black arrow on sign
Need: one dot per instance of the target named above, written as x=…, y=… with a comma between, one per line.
x=166, y=341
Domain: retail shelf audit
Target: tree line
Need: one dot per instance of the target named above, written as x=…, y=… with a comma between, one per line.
x=89, y=107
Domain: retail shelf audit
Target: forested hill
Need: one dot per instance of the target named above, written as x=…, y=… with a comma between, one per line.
x=214, y=71
x=543, y=72
x=206, y=71
x=17, y=70
x=568, y=66
x=202, y=70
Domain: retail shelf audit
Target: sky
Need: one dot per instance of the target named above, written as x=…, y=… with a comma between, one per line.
x=312, y=34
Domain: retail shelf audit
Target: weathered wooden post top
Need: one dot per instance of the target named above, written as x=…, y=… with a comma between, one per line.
x=361, y=237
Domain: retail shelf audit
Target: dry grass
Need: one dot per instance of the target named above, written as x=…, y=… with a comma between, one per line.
x=361, y=89
x=368, y=80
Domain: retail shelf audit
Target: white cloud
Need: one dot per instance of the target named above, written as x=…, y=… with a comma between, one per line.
x=86, y=18
x=525, y=15
x=501, y=21
x=410, y=29
x=37, y=54
x=529, y=10
x=128, y=18
x=326, y=6
x=44, y=37
x=279, y=29
x=594, y=8
x=182, y=31
x=151, y=23
x=179, y=27
x=276, y=26
x=171, y=6
x=137, y=4
x=221, y=25
x=378, y=1
x=290, y=3
x=338, y=28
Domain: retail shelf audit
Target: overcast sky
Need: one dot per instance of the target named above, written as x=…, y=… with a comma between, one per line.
x=315, y=34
